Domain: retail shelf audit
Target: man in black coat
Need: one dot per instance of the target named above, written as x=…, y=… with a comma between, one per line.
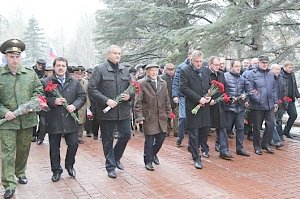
x=109, y=80
x=217, y=110
x=59, y=120
x=291, y=89
x=168, y=76
x=194, y=84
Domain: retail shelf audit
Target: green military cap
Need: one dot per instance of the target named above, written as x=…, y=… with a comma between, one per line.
x=14, y=46
x=78, y=68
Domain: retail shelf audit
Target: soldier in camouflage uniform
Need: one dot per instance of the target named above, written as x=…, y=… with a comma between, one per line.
x=18, y=85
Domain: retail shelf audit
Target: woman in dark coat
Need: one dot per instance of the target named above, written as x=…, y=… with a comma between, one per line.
x=152, y=107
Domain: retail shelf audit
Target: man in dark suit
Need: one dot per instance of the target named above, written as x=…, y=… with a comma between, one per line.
x=59, y=120
x=194, y=84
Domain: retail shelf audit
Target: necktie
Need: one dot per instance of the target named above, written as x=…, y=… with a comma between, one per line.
x=61, y=80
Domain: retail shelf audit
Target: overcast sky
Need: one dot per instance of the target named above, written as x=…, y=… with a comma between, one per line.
x=52, y=15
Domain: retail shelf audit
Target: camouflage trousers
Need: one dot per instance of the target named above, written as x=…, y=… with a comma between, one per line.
x=15, y=146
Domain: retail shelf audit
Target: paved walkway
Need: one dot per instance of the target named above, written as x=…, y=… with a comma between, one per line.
x=265, y=176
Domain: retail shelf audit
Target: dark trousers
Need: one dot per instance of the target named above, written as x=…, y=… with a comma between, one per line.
x=236, y=119
x=152, y=145
x=222, y=138
x=42, y=128
x=113, y=154
x=198, y=137
x=181, y=118
x=54, y=141
x=278, y=117
x=292, y=112
x=258, y=117
x=92, y=126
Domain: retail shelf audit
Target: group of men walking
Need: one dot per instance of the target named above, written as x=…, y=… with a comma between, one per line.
x=154, y=106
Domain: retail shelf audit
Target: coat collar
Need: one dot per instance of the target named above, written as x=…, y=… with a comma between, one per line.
x=109, y=68
x=159, y=83
x=20, y=70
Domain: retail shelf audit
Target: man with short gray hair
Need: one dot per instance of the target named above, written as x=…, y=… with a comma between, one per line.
x=109, y=80
x=194, y=84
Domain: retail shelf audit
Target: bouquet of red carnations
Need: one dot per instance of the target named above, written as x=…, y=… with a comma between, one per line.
x=34, y=105
x=52, y=88
x=133, y=87
x=223, y=98
x=216, y=87
x=284, y=102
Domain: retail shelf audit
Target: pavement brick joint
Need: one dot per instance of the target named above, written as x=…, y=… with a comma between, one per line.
x=265, y=176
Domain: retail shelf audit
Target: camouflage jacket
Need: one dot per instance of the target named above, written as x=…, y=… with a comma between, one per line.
x=16, y=90
x=82, y=111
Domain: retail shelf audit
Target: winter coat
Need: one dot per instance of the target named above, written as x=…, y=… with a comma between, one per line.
x=280, y=86
x=176, y=81
x=169, y=80
x=16, y=90
x=107, y=84
x=234, y=87
x=260, y=86
x=217, y=111
x=82, y=111
x=194, y=84
x=152, y=106
x=296, y=93
x=58, y=119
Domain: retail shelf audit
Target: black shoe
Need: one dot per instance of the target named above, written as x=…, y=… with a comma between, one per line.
x=226, y=156
x=40, y=141
x=149, y=167
x=189, y=149
x=278, y=145
x=156, y=160
x=258, y=152
x=242, y=152
x=88, y=134
x=112, y=174
x=205, y=154
x=178, y=142
x=217, y=147
x=119, y=165
x=33, y=139
x=198, y=164
x=80, y=142
x=268, y=149
x=95, y=137
x=71, y=171
x=22, y=180
x=8, y=194
x=250, y=137
x=55, y=177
